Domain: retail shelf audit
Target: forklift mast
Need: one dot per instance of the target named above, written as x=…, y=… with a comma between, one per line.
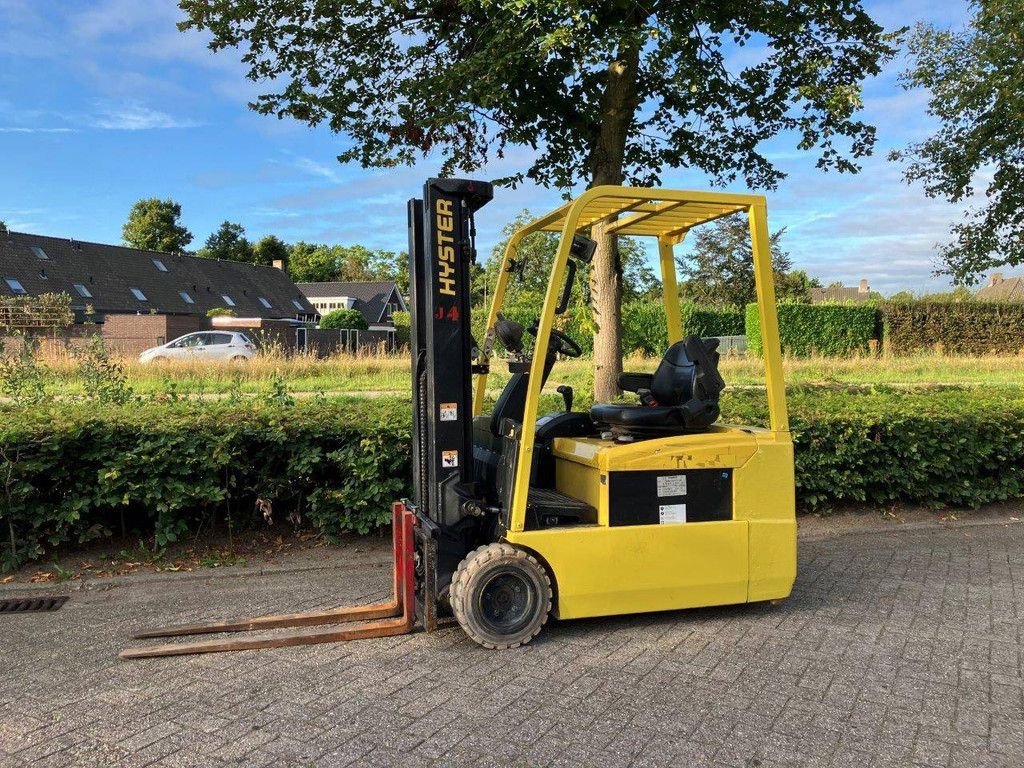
x=441, y=250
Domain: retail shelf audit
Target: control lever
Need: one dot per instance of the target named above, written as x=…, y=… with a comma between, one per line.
x=566, y=392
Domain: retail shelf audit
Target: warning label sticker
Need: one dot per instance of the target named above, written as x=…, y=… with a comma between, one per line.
x=449, y=411
x=672, y=513
x=449, y=458
x=672, y=485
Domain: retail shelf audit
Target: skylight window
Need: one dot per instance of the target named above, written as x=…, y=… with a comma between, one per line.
x=83, y=291
x=265, y=303
x=16, y=287
x=159, y=265
x=139, y=294
x=228, y=300
x=185, y=297
x=39, y=252
x=298, y=306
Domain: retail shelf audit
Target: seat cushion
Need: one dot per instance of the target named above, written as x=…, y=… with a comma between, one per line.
x=660, y=419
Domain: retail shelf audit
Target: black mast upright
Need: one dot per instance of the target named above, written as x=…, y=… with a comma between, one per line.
x=440, y=253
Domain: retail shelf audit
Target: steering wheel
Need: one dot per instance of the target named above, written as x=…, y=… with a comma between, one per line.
x=565, y=345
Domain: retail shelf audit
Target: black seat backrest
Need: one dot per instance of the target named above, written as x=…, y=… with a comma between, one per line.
x=689, y=370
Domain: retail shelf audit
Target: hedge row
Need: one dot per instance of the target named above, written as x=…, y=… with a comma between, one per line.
x=822, y=329
x=964, y=328
x=74, y=472
x=644, y=328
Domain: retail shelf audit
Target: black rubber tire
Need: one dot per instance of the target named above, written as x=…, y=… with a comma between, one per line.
x=496, y=581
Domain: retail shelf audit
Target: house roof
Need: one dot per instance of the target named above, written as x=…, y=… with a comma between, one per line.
x=110, y=272
x=1003, y=289
x=840, y=293
x=371, y=297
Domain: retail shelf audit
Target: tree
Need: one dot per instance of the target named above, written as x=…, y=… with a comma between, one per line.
x=3, y=226
x=720, y=268
x=606, y=93
x=795, y=286
x=228, y=243
x=536, y=253
x=309, y=263
x=269, y=249
x=154, y=225
x=344, y=318
x=975, y=77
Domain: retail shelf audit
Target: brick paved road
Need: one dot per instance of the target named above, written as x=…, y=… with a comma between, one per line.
x=896, y=649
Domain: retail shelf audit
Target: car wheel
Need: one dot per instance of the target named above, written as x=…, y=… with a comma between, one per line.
x=159, y=360
x=239, y=359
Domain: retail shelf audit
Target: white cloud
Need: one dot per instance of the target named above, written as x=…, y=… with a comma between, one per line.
x=14, y=129
x=136, y=117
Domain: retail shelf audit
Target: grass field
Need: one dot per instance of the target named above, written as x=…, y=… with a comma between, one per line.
x=375, y=373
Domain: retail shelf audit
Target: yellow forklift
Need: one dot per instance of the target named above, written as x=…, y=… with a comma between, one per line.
x=627, y=507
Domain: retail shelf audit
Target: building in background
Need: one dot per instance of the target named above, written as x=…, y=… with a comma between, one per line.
x=1001, y=288
x=377, y=301
x=841, y=293
x=106, y=280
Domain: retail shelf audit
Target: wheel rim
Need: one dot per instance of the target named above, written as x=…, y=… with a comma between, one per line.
x=506, y=602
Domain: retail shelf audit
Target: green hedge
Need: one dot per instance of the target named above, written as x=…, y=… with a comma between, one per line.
x=822, y=329
x=644, y=330
x=963, y=328
x=73, y=472
x=950, y=446
x=403, y=327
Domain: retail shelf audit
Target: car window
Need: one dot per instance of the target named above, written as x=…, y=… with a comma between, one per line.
x=219, y=338
x=184, y=341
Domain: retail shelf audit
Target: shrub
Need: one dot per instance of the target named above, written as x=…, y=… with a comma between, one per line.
x=221, y=312
x=403, y=326
x=961, y=446
x=823, y=329
x=344, y=318
x=643, y=324
x=963, y=328
x=70, y=473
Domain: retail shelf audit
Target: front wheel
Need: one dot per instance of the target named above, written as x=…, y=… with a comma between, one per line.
x=501, y=596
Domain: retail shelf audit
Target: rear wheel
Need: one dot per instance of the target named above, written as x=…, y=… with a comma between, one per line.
x=501, y=596
x=239, y=359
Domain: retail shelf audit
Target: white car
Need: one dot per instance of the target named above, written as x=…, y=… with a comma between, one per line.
x=218, y=346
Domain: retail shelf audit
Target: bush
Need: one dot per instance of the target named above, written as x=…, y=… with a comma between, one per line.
x=403, y=326
x=221, y=312
x=963, y=328
x=70, y=473
x=643, y=324
x=818, y=329
x=344, y=318
x=960, y=446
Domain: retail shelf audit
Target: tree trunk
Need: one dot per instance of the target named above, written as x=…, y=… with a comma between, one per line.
x=618, y=107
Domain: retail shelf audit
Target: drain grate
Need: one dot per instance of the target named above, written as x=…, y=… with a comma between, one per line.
x=32, y=604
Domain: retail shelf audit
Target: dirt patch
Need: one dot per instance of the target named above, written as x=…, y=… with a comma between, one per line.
x=250, y=549
x=863, y=520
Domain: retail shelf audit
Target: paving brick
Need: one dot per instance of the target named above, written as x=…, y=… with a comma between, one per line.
x=895, y=649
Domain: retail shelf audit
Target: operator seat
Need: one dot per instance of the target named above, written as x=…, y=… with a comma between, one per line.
x=680, y=396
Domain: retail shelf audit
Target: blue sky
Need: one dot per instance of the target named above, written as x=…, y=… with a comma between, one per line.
x=105, y=102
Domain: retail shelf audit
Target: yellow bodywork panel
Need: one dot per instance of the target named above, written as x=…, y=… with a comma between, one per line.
x=602, y=570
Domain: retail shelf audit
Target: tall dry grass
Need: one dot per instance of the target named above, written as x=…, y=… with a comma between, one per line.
x=373, y=371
